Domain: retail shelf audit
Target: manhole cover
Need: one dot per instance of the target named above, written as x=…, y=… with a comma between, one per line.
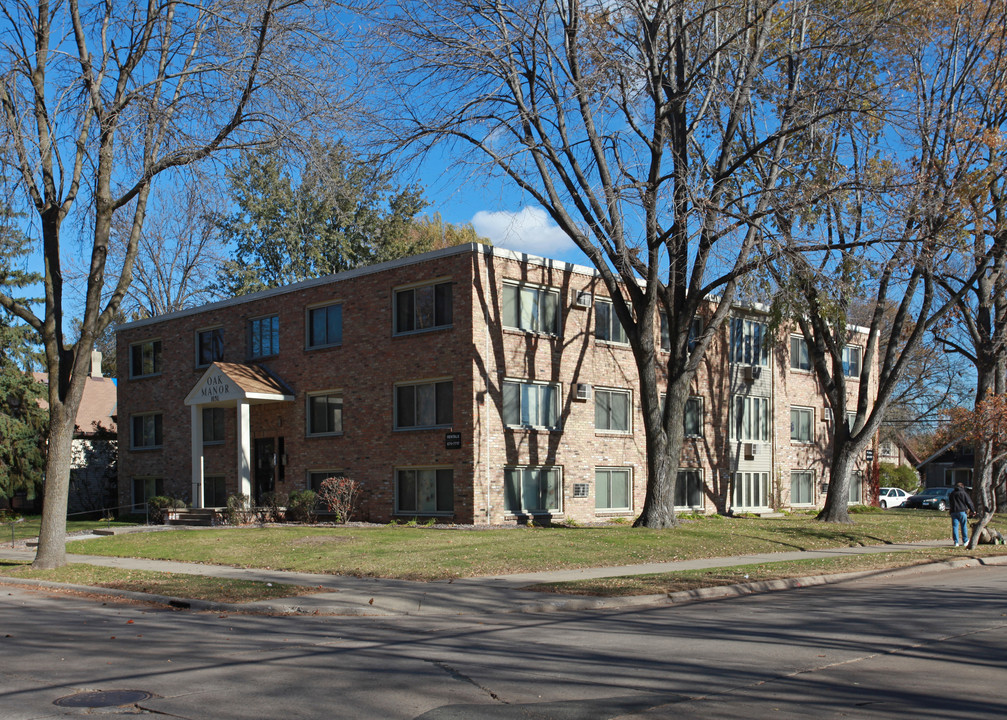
x=103, y=698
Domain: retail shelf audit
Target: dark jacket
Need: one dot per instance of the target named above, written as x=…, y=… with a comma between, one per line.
x=960, y=501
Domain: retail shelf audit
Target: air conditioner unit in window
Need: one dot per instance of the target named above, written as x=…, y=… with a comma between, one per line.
x=752, y=373
x=583, y=391
x=751, y=450
x=582, y=298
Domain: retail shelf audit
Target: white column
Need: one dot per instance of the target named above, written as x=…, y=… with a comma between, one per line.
x=244, y=449
x=197, y=455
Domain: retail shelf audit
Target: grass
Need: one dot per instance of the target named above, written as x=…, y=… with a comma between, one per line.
x=194, y=587
x=662, y=583
x=422, y=553
x=28, y=527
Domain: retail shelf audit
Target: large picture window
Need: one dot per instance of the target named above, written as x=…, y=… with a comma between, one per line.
x=532, y=490
x=532, y=309
x=802, y=423
x=607, y=326
x=612, y=410
x=531, y=405
x=423, y=308
x=689, y=489
x=424, y=405
x=613, y=489
x=424, y=490
x=264, y=336
x=325, y=413
x=209, y=346
x=748, y=339
x=802, y=488
x=751, y=490
x=751, y=418
x=147, y=431
x=325, y=326
x=145, y=358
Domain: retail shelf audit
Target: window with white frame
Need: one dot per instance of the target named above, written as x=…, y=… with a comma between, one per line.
x=802, y=487
x=851, y=361
x=325, y=413
x=426, y=307
x=748, y=339
x=147, y=431
x=209, y=346
x=802, y=425
x=527, y=404
x=325, y=326
x=689, y=489
x=613, y=489
x=214, y=491
x=607, y=326
x=530, y=308
x=264, y=336
x=694, y=417
x=533, y=490
x=799, y=359
x=751, y=418
x=856, y=487
x=424, y=490
x=612, y=410
x=751, y=490
x=851, y=420
x=424, y=405
x=213, y=425
x=145, y=358
x=144, y=488
x=695, y=330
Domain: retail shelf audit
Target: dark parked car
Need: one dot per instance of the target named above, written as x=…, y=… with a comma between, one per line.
x=935, y=498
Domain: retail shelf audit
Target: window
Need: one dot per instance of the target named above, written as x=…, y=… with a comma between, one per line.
x=147, y=431
x=751, y=489
x=531, y=309
x=612, y=410
x=426, y=490
x=851, y=361
x=144, y=488
x=689, y=489
x=802, y=423
x=695, y=330
x=856, y=487
x=532, y=489
x=607, y=325
x=851, y=420
x=317, y=477
x=209, y=346
x=424, y=405
x=325, y=413
x=264, y=336
x=325, y=326
x=423, y=308
x=747, y=342
x=531, y=405
x=802, y=488
x=694, y=417
x=213, y=425
x=613, y=489
x=799, y=359
x=145, y=358
x=953, y=476
x=214, y=491
x=751, y=418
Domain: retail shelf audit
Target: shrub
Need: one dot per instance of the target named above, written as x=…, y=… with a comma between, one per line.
x=238, y=511
x=158, y=505
x=271, y=509
x=863, y=509
x=340, y=495
x=900, y=476
x=302, y=506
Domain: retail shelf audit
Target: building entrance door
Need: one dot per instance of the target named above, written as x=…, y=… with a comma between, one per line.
x=265, y=469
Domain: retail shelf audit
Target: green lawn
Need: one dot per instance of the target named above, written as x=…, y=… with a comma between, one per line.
x=28, y=527
x=432, y=553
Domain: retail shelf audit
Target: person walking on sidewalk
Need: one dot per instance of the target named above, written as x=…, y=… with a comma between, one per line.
x=961, y=506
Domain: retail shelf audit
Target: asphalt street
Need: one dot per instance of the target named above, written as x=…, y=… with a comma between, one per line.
x=928, y=645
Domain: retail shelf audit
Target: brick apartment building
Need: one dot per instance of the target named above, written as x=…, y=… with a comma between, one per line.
x=470, y=384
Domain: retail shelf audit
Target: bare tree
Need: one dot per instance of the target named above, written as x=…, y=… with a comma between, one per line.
x=653, y=132
x=91, y=118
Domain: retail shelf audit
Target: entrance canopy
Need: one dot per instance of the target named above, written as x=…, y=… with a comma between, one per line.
x=231, y=383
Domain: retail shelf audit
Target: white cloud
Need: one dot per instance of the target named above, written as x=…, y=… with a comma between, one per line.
x=529, y=230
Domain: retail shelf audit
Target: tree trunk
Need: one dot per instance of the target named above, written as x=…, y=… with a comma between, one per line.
x=837, y=500
x=52, y=536
x=664, y=447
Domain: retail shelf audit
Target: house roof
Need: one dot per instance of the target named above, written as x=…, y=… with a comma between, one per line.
x=228, y=382
x=98, y=405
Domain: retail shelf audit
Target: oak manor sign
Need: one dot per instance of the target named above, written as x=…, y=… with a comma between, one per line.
x=218, y=388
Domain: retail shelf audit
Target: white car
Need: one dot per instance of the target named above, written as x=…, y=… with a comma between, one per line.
x=890, y=497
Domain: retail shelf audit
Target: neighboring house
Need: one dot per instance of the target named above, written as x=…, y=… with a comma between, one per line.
x=469, y=384
x=894, y=449
x=93, y=472
x=951, y=464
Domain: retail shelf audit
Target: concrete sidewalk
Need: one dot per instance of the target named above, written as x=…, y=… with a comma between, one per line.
x=347, y=595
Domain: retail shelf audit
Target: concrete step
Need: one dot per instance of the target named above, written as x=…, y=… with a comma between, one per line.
x=192, y=517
